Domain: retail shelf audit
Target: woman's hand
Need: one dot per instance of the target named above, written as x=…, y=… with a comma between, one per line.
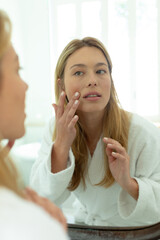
x=119, y=166
x=6, y=149
x=65, y=131
x=47, y=205
x=66, y=120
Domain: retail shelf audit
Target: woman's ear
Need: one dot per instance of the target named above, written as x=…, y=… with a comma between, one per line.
x=60, y=84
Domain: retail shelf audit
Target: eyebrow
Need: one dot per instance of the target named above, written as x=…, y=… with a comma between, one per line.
x=83, y=65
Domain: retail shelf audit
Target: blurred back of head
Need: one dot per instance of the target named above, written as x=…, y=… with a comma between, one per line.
x=8, y=174
x=5, y=33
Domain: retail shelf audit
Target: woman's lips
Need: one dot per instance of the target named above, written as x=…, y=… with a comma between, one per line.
x=92, y=96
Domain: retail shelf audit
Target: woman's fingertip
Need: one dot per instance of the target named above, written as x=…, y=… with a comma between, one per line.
x=75, y=116
x=76, y=94
x=109, y=145
x=62, y=93
x=114, y=153
x=105, y=139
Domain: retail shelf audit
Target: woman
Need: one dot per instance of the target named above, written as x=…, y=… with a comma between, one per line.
x=108, y=157
x=19, y=217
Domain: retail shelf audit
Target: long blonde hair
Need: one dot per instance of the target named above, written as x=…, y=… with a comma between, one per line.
x=8, y=174
x=115, y=122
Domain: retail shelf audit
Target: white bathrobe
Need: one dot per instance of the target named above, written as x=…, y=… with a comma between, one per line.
x=111, y=206
x=23, y=220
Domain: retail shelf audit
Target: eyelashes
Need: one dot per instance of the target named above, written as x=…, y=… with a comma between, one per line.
x=100, y=71
x=20, y=68
x=78, y=73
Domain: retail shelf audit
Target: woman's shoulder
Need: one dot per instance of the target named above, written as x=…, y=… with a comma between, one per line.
x=143, y=127
x=19, y=217
x=138, y=122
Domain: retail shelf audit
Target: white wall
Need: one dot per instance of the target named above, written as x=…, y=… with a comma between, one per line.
x=31, y=40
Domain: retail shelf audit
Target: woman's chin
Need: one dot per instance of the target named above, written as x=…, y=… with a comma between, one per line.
x=91, y=109
x=20, y=133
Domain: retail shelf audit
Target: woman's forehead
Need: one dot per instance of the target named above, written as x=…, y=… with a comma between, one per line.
x=85, y=55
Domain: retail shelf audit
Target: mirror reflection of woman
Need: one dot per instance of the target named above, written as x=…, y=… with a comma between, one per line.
x=107, y=157
x=22, y=214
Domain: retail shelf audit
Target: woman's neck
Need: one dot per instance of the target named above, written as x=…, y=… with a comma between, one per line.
x=92, y=126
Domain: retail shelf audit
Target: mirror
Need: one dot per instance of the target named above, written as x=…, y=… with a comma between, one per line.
x=125, y=74
x=125, y=30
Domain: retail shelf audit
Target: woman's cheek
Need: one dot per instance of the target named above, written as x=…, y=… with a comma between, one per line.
x=68, y=91
x=71, y=87
x=72, y=92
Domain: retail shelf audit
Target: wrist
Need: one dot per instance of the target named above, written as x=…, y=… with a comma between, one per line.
x=60, y=149
x=132, y=188
x=59, y=157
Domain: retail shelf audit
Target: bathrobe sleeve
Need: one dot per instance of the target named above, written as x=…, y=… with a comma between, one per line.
x=144, y=151
x=42, y=180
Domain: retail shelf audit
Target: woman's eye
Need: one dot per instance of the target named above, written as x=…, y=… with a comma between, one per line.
x=78, y=73
x=101, y=71
x=18, y=70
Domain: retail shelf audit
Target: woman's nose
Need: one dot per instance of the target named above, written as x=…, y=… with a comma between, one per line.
x=92, y=84
x=92, y=81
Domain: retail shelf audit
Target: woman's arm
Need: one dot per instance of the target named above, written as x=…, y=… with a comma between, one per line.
x=144, y=152
x=42, y=180
x=54, y=167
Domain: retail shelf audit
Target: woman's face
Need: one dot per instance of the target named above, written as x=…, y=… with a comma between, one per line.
x=87, y=72
x=12, y=97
